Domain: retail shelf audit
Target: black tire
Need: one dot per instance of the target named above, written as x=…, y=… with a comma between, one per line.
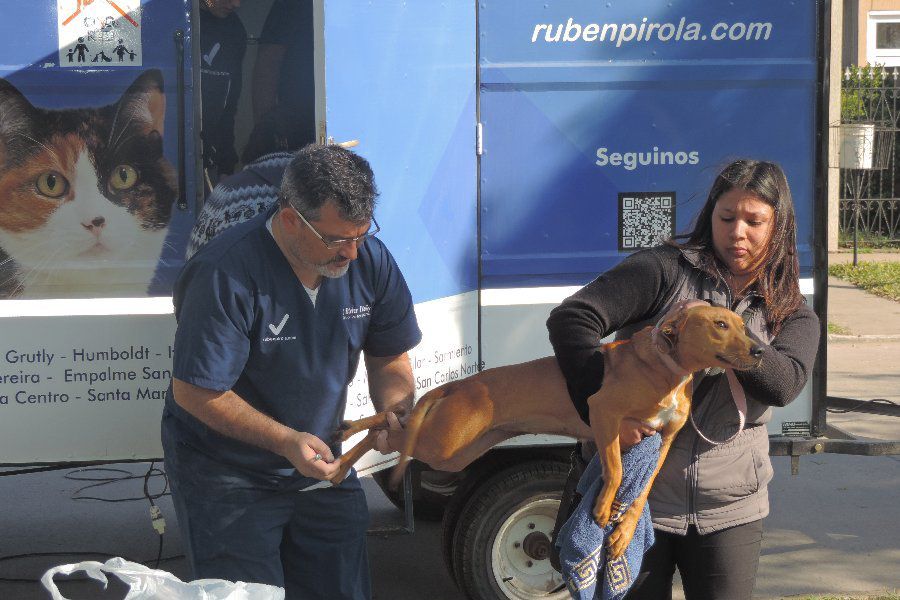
x=500, y=547
x=431, y=490
x=479, y=472
x=448, y=532
x=452, y=513
x=475, y=475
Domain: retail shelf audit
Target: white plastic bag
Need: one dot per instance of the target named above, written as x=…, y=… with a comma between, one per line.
x=151, y=584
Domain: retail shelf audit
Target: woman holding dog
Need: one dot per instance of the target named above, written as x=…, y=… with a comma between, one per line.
x=708, y=500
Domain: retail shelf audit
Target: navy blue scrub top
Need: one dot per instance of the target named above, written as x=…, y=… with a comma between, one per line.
x=246, y=323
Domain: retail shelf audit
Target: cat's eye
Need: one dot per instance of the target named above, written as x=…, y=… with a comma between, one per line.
x=52, y=184
x=123, y=178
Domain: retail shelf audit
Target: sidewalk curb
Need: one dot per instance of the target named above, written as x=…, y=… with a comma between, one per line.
x=840, y=337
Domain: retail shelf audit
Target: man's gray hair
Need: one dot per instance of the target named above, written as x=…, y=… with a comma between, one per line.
x=321, y=173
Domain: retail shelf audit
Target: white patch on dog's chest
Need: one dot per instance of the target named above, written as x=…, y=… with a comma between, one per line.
x=668, y=409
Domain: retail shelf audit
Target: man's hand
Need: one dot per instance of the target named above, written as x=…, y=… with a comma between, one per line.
x=632, y=431
x=387, y=440
x=392, y=388
x=311, y=456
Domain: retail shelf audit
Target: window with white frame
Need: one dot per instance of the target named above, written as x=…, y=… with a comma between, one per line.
x=883, y=38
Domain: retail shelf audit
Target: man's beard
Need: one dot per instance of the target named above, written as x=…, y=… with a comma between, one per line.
x=327, y=269
x=331, y=271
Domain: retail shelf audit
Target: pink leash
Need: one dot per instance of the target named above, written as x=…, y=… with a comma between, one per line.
x=740, y=402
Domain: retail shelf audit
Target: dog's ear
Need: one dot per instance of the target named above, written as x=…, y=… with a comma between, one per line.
x=667, y=328
x=668, y=336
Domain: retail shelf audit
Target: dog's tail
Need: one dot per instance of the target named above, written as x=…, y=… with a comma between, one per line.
x=421, y=410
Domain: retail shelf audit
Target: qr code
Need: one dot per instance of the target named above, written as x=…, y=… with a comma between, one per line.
x=645, y=219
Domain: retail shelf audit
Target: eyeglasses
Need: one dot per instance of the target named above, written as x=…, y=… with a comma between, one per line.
x=332, y=243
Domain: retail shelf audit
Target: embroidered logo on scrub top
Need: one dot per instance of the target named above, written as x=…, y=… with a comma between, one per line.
x=356, y=312
x=277, y=329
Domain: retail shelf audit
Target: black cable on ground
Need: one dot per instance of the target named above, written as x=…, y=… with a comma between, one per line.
x=860, y=404
x=122, y=475
x=156, y=518
x=84, y=555
x=31, y=470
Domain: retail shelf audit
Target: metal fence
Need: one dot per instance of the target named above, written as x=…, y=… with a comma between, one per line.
x=872, y=95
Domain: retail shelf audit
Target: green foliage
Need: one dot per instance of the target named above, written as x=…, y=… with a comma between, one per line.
x=866, y=241
x=879, y=278
x=837, y=329
x=861, y=90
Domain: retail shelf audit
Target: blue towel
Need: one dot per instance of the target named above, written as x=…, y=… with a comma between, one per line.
x=581, y=541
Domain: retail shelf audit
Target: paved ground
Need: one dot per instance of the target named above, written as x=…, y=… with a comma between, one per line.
x=864, y=363
x=39, y=516
x=846, y=256
x=834, y=528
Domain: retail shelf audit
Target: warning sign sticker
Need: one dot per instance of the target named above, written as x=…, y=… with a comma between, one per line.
x=99, y=33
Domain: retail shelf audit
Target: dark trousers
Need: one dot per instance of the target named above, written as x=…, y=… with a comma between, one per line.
x=716, y=566
x=236, y=527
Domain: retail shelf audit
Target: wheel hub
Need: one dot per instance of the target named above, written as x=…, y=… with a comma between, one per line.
x=537, y=545
x=521, y=550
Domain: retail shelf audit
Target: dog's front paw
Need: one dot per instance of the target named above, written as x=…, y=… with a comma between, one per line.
x=618, y=540
x=602, y=513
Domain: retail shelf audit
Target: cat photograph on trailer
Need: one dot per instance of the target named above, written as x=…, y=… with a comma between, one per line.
x=86, y=194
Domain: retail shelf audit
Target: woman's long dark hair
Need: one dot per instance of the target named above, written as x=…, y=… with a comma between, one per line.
x=776, y=273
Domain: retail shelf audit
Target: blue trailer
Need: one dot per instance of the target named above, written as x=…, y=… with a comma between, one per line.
x=521, y=148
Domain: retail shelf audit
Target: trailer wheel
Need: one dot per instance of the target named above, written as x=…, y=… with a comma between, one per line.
x=474, y=476
x=452, y=513
x=502, y=540
x=431, y=490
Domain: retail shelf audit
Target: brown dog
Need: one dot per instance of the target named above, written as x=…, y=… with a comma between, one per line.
x=647, y=377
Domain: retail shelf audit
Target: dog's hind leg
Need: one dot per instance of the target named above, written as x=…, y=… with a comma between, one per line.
x=354, y=454
x=412, y=428
x=449, y=428
x=348, y=429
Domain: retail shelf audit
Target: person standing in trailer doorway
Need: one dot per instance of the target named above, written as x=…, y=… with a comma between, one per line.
x=283, y=72
x=253, y=189
x=223, y=42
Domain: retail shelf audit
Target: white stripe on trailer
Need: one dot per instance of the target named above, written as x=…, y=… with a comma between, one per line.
x=807, y=286
x=86, y=307
x=555, y=295
x=518, y=296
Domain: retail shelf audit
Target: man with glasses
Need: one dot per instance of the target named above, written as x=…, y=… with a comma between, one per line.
x=273, y=315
